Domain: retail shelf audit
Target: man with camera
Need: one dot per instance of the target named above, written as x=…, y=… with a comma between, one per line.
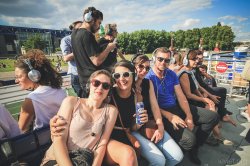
x=110, y=31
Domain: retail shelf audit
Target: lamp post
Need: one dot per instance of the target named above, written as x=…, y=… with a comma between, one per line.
x=16, y=42
x=48, y=38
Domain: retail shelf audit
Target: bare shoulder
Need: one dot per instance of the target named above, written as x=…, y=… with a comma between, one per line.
x=69, y=100
x=112, y=108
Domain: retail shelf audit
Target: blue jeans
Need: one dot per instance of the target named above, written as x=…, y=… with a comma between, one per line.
x=75, y=84
x=165, y=152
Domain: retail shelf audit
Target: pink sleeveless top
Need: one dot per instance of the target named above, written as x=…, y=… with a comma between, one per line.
x=82, y=133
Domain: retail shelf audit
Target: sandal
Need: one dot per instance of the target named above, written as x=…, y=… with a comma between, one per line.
x=225, y=141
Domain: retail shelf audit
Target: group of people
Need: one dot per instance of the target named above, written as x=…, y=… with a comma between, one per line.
x=184, y=109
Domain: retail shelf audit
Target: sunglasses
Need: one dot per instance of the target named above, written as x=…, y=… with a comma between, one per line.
x=123, y=74
x=97, y=83
x=160, y=59
x=147, y=68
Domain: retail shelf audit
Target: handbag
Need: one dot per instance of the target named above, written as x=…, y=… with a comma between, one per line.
x=148, y=129
x=246, y=71
x=82, y=157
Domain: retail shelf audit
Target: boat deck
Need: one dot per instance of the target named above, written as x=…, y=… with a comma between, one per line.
x=236, y=155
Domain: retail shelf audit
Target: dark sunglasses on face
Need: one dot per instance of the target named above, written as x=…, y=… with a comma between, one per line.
x=147, y=68
x=123, y=74
x=97, y=83
x=160, y=59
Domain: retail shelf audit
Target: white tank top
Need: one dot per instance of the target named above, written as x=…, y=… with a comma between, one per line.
x=46, y=102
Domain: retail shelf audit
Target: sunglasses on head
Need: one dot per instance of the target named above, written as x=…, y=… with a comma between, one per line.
x=97, y=83
x=123, y=74
x=160, y=59
x=147, y=68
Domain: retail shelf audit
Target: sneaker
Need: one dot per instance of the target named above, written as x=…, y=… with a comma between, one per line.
x=212, y=141
x=245, y=115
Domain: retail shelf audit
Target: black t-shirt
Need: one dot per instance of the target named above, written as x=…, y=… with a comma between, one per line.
x=111, y=59
x=126, y=108
x=84, y=46
x=200, y=80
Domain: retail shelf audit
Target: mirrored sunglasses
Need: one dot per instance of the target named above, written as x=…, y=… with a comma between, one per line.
x=123, y=74
x=160, y=59
x=97, y=83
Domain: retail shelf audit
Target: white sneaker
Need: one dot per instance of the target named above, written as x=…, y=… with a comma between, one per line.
x=245, y=115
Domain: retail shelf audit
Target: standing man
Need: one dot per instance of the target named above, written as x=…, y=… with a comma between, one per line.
x=87, y=53
x=110, y=31
x=68, y=56
x=179, y=117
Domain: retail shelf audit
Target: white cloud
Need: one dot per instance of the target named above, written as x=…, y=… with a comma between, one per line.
x=237, y=18
x=129, y=15
x=187, y=24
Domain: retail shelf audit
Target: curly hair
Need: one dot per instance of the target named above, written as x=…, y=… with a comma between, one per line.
x=38, y=60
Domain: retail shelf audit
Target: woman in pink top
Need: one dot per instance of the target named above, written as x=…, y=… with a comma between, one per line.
x=89, y=122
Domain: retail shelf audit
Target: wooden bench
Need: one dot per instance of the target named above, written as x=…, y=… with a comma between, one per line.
x=13, y=93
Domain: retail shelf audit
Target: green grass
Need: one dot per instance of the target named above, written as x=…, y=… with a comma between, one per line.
x=14, y=109
x=10, y=63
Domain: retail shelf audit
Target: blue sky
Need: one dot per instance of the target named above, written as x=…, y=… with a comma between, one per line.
x=131, y=15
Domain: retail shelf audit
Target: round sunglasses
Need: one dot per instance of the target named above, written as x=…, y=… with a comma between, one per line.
x=142, y=67
x=123, y=74
x=97, y=83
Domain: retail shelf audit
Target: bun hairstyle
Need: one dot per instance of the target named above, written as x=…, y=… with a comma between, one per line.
x=72, y=26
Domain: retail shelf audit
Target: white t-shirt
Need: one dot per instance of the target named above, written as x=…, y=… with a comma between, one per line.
x=8, y=125
x=46, y=102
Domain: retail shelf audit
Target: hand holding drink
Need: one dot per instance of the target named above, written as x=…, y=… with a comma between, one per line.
x=141, y=114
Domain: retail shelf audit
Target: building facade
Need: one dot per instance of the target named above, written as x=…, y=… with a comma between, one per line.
x=12, y=39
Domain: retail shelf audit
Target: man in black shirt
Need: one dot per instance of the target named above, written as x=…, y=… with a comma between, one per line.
x=88, y=55
x=218, y=92
x=110, y=34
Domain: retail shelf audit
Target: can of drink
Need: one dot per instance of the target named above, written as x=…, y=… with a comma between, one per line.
x=139, y=109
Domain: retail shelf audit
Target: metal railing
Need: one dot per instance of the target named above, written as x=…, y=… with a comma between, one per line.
x=232, y=77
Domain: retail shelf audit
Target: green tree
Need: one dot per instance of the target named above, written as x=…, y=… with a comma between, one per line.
x=148, y=40
x=35, y=42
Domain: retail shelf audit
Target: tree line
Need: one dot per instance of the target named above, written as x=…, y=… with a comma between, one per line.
x=148, y=40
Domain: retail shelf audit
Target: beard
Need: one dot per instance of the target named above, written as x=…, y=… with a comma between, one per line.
x=93, y=29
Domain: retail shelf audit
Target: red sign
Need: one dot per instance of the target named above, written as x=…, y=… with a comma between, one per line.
x=221, y=67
